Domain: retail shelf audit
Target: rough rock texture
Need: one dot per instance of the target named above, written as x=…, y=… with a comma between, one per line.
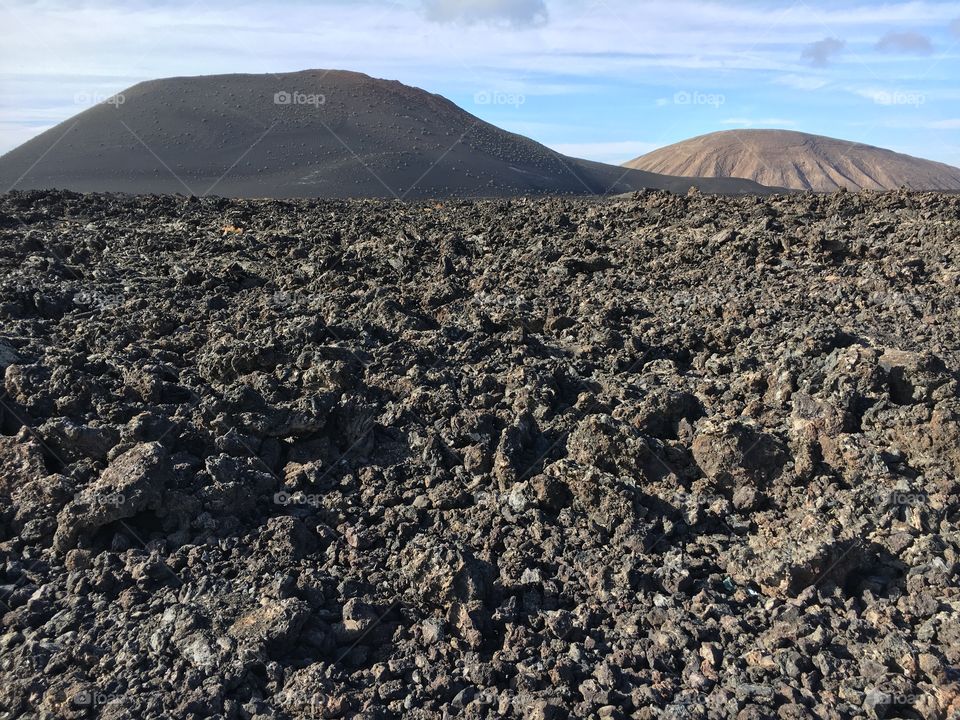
x=645, y=457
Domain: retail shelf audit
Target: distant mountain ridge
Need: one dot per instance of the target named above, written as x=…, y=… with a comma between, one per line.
x=315, y=133
x=799, y=161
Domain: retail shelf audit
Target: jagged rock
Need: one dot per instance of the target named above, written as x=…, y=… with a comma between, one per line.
x=8, y=356
x=70, y=440
x=238, y=484
x=441, y=573
x=21, y=460
x=273, y=625
x=484, y=458
x=132, y=483
x=914, y=377
x=734, y=454
x=808, y=553
x=509, y=459
x=608, y=445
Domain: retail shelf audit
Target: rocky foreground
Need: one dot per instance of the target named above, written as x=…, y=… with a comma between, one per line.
x=652, y=457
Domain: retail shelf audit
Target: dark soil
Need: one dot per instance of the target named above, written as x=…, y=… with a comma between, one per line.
x=653, y=456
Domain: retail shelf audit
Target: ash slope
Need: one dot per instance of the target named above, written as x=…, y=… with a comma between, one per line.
x=341, y=134
x=654, y=457
x=799, y=161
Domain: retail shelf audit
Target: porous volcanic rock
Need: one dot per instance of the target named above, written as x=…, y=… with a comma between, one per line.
x=651, y=456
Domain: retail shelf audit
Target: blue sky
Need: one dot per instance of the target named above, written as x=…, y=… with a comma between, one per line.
x=602, y=79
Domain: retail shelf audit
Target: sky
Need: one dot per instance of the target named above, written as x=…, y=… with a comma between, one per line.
x=601, y=79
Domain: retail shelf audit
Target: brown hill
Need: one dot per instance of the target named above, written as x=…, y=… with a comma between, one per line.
x=315, y=133
x=797, y=160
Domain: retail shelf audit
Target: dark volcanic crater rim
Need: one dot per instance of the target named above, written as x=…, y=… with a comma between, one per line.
x=314, y=133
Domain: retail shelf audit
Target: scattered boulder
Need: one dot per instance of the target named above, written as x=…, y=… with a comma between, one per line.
x=609, y=445
x=915, y=377
x=511, y=460
x=132, y=483
x=441, y=573
x=8, y=355
x=732, y=454
x=273, y=625
x=21, y=460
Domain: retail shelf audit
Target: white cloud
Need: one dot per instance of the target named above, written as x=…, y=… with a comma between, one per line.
x=515, y=13
x=624, y=45
x=871, y=94
x=892, y=96
x=802, y=82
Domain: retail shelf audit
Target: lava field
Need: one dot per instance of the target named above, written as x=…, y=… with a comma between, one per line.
x=648, y=456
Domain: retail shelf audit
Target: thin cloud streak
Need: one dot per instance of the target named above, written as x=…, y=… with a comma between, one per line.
x=579, y=71
x=905, y=42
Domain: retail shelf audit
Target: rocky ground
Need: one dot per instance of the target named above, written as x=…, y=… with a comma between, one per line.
x=652, y=456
